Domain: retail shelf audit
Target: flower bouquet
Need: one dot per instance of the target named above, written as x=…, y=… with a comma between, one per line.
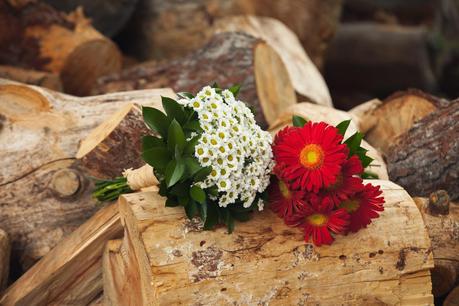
x=208, y=155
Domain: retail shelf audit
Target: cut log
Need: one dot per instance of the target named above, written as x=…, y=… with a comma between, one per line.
x=107, y=16
x=287, y=45
x=71, y=273
x=383, y=122
x=380, y=58
x=5, y=251
x=453, y=298
x=165, y=30
x=41, y=184
x=175, y=262
x=38, y=37
x=426, y=157
x=32, y=77
x=331, y=116
x=114, y=145
x=444, y=234
x=228, y=59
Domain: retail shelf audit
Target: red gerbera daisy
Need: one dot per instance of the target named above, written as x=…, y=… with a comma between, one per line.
x=363, y=206
x=319, y=220
x=283, y=201
x=346, y=183
x=311, y=156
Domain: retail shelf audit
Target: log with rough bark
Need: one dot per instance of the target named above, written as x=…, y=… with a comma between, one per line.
x=380, y=58
x=33, y=35
x=306, y=78
x=383, y=122
x=426, y=157
x=228, y=59
x=41, y=183
x=453, y=298
x=169, y=260
x=164, y=30
x=443, y=228
x=331, y=116
x=5, y=250
x=71, y=273
x=31, y=77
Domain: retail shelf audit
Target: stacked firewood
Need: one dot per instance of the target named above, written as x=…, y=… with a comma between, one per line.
x=79, y=117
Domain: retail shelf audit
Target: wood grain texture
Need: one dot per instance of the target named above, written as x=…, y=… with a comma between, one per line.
x=41, y=184
x=228, y=59
x=71, y=273
x=264, y=261
x=5, y=252
x=32, y=77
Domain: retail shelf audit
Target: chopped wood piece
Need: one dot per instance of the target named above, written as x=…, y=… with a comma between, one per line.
x=444, y=235
x=41, y=184
x=36, y=36
x=331, y=116
x=426, y=158
x=5, y=250
x=439, y=203
x=177, y=262
x=453, y=298
x=71, y=273
x=228, y=59
x=32, y=77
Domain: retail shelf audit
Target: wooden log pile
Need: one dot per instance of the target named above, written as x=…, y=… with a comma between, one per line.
x=70, y=112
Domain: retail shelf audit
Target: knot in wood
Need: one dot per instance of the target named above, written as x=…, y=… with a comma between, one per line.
x=439, y=202
x=65, y=183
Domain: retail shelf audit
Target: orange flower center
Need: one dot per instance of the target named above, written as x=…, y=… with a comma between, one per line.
x=312, y=156
x=317, y=219
x=350, y=205
x=284, y=190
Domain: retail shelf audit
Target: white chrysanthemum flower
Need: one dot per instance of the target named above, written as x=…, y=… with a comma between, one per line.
x=260, y=204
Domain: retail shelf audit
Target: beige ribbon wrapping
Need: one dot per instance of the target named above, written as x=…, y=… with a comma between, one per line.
x=140, y=178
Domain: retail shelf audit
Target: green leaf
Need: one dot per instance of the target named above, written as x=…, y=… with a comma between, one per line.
x=366, y=160
x=241, y=216
x=229, y=223
x=354, y=142
x=156, y=120
x=174, y=172
x=213, y=191
x=298, y=121
x=185, y=95
x=198, y=194
x=191, y=209
x=176, y=137
x=173, y=109
x=202, y=174
x=193, y=126
x=183, y=201
x=181, y=189
x=190, y=145
x=203, y=211
x=192, y=166
x=150, y=142
x=235, y=89
x=212, y=216
x=157, y=157
x=342, y=126
x=171, y=203
x=369, y=175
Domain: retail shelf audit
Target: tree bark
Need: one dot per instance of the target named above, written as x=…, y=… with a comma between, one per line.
x=228, y=59
x=35, y=36
x=165, y=30
x=383, y=122
x=71, y=273
x=331, y=116
x=31, y=77
x=175, y=261
x=5, y=252
x=426, y=157
x=45, y=193
x=444, y=235
x=453, y=298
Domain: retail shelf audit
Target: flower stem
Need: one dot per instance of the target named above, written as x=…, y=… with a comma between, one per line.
x=110, y=190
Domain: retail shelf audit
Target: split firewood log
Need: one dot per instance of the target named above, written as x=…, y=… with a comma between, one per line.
x=5, y=251
x=441, y=219
x=33, y=35
x=453, y=298
x=394, y=56
x=41, y=183
x=383, y=122
x=165, y=30
x=426, y=157
x=288, y=46
x=71, y=273
x=169, y=259
x=32, y=77
x=331, y=116
x=228, y=59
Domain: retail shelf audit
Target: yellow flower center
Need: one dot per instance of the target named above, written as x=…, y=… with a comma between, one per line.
x=350, y=205
x=317, y=219
x=284, y=190
x=312, y=156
